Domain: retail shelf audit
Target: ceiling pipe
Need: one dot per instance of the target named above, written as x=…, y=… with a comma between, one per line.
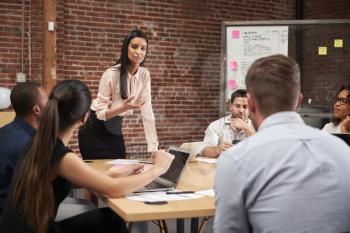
x=21, y=77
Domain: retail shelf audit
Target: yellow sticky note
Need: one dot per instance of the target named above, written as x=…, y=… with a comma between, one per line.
x=338, y=43
x=322, y=50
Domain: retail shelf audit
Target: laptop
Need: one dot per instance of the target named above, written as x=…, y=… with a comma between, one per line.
x=170, y=179
x=344, y=137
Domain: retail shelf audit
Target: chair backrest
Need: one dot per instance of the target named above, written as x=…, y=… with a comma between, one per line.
x=136, y=151
x=6, y=117
x=194, y=147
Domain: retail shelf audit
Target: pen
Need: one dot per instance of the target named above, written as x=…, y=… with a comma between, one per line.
x=146, y=161
x=151, y=190
x=179, y=192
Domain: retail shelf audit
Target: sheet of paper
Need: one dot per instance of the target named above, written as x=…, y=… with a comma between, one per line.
x=208, y=192
x=206, y=160
x=123, y=166
x=162, y=196
x=123, y=161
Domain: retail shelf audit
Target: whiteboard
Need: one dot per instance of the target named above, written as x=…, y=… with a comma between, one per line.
x=246, y=44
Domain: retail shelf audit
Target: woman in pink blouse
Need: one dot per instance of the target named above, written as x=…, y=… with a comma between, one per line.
x=124, y=87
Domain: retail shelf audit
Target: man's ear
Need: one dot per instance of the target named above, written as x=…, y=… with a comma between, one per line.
x=36, y=110
x=299, y=101
x=251, y=103
x=230, y=106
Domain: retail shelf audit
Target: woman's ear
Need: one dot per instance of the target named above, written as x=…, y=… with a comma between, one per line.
x=84, y=119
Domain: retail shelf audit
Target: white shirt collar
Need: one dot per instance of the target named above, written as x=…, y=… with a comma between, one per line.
x=281, y=118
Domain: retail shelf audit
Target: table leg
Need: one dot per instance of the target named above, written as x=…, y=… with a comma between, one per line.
x=194, y=225
x=180, y=226
x=140, y=227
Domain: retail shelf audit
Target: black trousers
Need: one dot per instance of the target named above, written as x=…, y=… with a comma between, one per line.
x=102, y=220
x=102, y=139
x=100, y=147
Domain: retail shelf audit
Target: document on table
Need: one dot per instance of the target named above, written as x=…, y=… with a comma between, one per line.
x=122, y=161
x=128, y=161
x=206, y=160
x=208, y=192
x=162, y=196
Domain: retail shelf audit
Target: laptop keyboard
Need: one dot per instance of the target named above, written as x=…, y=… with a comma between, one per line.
x=155, y=185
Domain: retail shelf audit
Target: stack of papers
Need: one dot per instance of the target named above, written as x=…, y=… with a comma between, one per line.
x=128, y=161
x=122, y=161
x=208, y=192
x=162, y=196
x=206, y=160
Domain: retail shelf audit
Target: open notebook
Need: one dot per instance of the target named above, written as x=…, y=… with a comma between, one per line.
x=169, y=180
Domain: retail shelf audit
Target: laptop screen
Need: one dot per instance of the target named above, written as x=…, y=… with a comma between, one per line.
x=344, y=137
x=176, y=166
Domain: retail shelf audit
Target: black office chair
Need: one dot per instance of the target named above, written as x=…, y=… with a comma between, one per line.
x=136, y=151
x=72, y=206
x=139, y=151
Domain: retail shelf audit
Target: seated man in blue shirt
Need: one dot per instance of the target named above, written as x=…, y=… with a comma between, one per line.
x=288, y=177
x=28, y=101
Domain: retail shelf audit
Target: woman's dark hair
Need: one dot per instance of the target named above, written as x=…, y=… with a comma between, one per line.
x=124, y=60
x=336, y=121
x=69, y=101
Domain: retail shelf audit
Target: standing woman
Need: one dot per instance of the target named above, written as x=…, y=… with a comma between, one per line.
x=341, y=112
x=47, y=169
x=124, y=87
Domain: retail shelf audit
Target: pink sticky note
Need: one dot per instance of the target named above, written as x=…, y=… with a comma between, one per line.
x=233, y=65
x=235, y=34
x=232, y=84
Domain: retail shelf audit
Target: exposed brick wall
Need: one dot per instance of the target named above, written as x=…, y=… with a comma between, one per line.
x=10, y=41
x=184, y=51
x=324, y=9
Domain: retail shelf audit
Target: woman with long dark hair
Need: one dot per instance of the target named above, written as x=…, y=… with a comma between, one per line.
x=48, y=167
x=341, y=112
x=124, y=87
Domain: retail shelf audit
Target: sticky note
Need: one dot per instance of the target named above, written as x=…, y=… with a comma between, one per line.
x=235, y=34
x=338, y=43
x=232, y=84
x=322, y=50
x=233, y=65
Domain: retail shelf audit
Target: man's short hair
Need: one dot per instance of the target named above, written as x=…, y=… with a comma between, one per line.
x=238, y=93
x=23, y=97
x=274, y=81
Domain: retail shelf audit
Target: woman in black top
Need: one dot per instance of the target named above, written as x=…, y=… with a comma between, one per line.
x=48, y=167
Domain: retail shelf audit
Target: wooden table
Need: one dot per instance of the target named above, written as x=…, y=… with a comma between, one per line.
x=197, y=176
x=6, y=117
